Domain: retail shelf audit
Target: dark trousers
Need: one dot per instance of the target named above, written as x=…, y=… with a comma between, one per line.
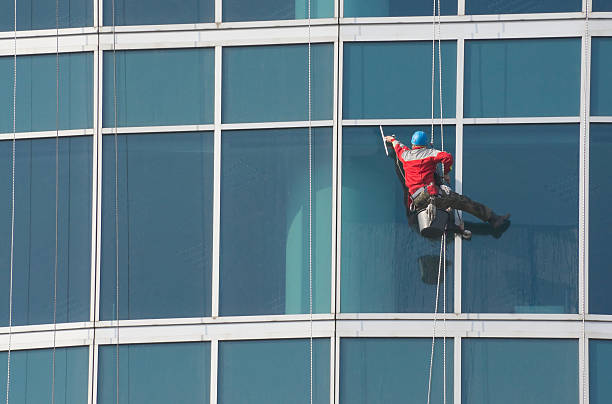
x=455, y=201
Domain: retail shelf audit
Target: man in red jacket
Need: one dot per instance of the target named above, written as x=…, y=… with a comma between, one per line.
x=419, y=164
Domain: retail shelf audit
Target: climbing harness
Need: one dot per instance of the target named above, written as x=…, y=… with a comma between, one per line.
x=10, y=325
x=310, y=195
x=442, y=261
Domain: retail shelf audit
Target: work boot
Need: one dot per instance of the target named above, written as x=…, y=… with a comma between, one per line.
x=496, y=221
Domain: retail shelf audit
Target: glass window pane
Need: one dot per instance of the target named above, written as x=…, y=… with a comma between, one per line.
x=601, y=76
x=147, y=12
x=41, y=14
x=530, y=171
x=600, y=368
x=390, y=370
x=32, y=375
x=600, y=222
x=395, y=8
x=273, y=371
x=270, y=83
x=36, y=92
x=155, y=373
x=546, y=371
x=522, y=7
x=160, y=87
x=264, y=221
x=522, y=77
x=602, y=5
x=165, y=225
x=387, y=267
x=393, y=80
x=247, y=10
x=34, y=248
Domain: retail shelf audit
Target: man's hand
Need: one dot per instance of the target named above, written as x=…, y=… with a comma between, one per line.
x=389, y=139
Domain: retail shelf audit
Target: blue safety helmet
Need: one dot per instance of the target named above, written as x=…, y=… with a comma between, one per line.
x=419, y=138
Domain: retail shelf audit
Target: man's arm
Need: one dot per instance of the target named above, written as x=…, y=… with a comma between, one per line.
x=447, y=162
x=397, y=146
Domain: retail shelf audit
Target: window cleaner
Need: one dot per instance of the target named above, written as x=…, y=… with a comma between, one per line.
x=429, y=195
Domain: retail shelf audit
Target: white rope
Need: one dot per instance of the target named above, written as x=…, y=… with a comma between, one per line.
x=116, y=204
x=10, y=335
x=585, y=190
x=435, y=318
x=56, y=197
x=310, y=196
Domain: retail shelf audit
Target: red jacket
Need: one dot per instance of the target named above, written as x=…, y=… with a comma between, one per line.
x=420, y=165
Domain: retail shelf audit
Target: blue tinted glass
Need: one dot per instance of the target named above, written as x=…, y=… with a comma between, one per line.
x=32, y=376
x=41, y=14
x=395, y=8
x=387, y=266
x=155, y=373
x=522, y=77
x=600, y=222
x=602, y=5
x=246, y=10
x=527, y=371
x=165, y=225
x=36, y=92
x=160, y=87
x=270, y=83
x=265, y=221
x=521, y=6
x=34, y=248
x=600, y=368
x=530, y=171
x=273, y=371
x=393, y=80
x=390, y=370
x=146, y=12
x=601, y=76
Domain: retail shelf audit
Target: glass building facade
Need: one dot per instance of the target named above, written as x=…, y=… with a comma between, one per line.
x=190, y=180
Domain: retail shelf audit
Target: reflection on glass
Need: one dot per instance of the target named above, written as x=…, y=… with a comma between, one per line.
x=32, y=376
x=36, y=92
x=155, y=373
x=165, y=225
x=247, y=10
x=600, y=221
x=386, y=264
x=522, y=6
x=265, y=221
x=388, y=370
x=146, y=12
x=159, y=87
x=393, y=80
x=601, y=76
x=35, y=237
x=522, y=77
x=600, y=368
x=273, y=371
x=395, y=8
x=530, y=171
x=270, y=83
x=41, y=14
x=526, y=371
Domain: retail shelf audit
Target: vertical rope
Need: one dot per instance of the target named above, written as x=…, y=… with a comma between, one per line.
x=56, y=197
x=435, y=318
x=440, y=77
x=10, y=335
x=116, y=204
x=433, y=69
x=310, y=195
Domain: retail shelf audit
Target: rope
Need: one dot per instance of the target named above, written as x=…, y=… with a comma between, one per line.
x=116, y=204
x=10, y=336
x=433, y=338
x=310, y=195
x=56, y=196
x=585, y=190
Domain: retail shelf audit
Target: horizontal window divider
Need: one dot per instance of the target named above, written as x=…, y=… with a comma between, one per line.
x=275, y=125
x=462, y=316
x=463, y=18
x=44, y=339
x=159, y=129
x=46, y=45
x=519, y=120
x=21, y=329
x=48, y=32
x=600, y=119
x=47, y=134
x=213, y=320
x=396, y=122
